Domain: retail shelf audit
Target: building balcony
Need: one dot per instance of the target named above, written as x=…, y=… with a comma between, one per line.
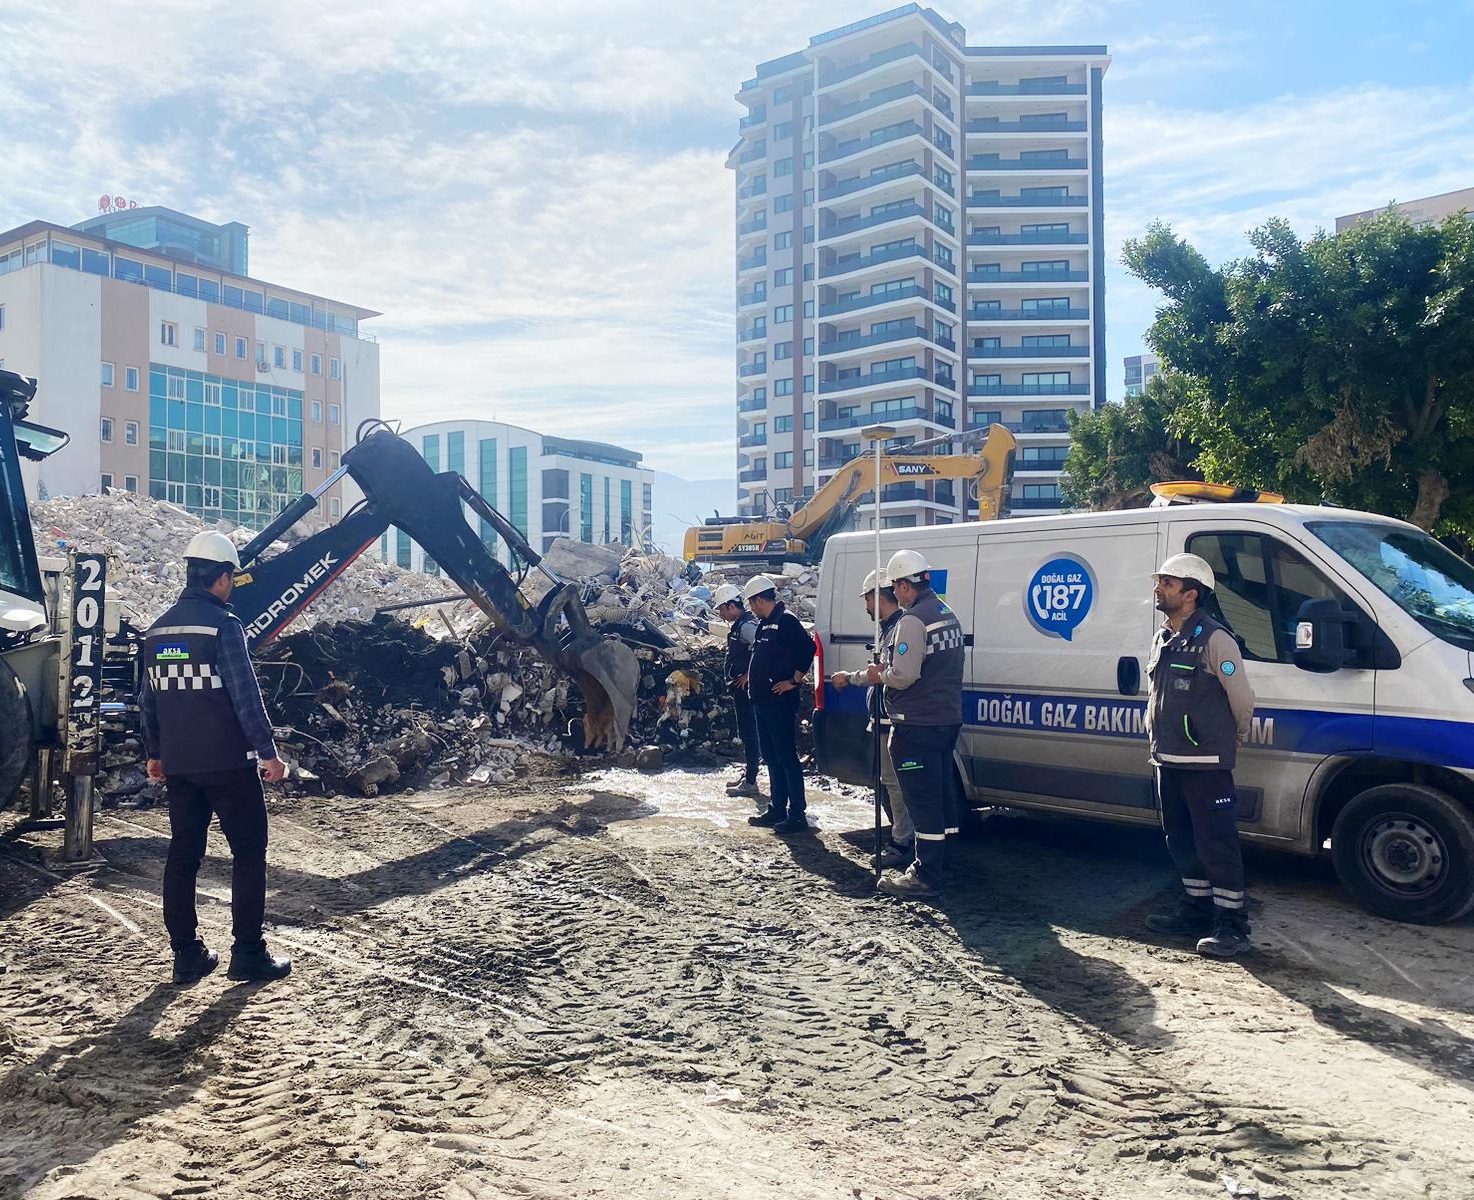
x=981, y=200
x=912, y=291
x=888, y=95
x=747, y=299
x=982, y=164
x=986, y=390
x=1043, y=352
x=749, y=440
x=848, y=264
x=1025, y=88
x=1028, y=239
x=753, y=261
x=756, y=117
x=1034, y=503
x=752, y=404
x=874, y=179
x=752, y=335
x=878, y=138
x=752, y=369
x=889, y=417
x=1028, y=314
x=997, y=125
x=752, y=190
x=1053, y=463
x=756, y=225
x=756, y=154
x=1035, y=277
x=848, y=225
x=880, y=58
x=871, y=379
x=1052, y=428
x=857, y=341
x=752, y=476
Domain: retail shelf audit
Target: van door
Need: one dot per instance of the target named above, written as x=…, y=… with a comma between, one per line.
x=1056, y=706
x=1263, y=575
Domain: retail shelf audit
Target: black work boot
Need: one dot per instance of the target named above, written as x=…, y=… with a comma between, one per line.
x=1229, y=937
x=1188, y=921
x=794, y=823
x=256, y=965
x=193, y=964
x=768, y=817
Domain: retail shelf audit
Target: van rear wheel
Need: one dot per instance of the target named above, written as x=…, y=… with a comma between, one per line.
x=1406, y=852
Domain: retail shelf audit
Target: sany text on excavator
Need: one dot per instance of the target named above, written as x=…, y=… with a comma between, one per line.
x=800, y=536
x=402, y=490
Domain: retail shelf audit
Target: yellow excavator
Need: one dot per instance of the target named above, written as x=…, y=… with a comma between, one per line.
x=799, y=536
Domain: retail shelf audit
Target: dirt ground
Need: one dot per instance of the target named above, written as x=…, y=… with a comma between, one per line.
x=615, y=987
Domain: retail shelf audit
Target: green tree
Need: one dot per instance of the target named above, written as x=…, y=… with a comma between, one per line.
x=1337, y=369
x=1117, y=452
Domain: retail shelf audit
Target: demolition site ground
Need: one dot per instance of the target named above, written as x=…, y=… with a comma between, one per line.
x=612, y=986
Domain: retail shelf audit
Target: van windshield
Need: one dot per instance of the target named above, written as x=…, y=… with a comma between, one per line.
x=1420, y=574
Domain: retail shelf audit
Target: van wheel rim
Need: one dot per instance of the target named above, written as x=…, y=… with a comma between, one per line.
x=1404, y=856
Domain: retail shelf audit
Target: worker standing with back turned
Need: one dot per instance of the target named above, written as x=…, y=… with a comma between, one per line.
x=781, y=657
x=741, y=633
x=203, y=721
x=921, y=668
x=1199, y=704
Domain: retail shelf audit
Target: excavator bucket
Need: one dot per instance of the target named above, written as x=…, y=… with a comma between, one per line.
x=608, y=674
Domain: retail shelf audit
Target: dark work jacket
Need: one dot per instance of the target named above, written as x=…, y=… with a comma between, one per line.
x=199, y=732
x=936, y=697
x=739, y=653
x=783, y=647
x=1189, y=721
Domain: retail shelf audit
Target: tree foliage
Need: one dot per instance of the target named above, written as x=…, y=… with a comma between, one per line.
x=1340, y=369
x=1118, y=451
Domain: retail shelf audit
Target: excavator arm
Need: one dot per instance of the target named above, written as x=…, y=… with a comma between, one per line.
x=402, y=490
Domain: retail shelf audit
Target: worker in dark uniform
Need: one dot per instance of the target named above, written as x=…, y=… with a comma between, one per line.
x=898, y=851
x=921, y=668
x=207, y=734
x=1199, y=704
x=741, y=633
x=781, y=656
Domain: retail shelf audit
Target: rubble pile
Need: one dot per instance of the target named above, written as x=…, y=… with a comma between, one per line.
x=147, y=538
x=798, y=585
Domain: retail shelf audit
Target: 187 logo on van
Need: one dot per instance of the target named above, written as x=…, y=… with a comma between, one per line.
x=1059, y=596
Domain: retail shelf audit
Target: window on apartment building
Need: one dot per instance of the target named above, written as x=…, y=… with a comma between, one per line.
x=317, y=458
x=174, y=493
x=108, y=372
x=261, y=359
x=297, y=361
x=783, y=314
x=783, y=94
x=106, y=429
x=317, y=411
x=279, y=356
x=220, y=344
x=782, y=459
x=808, y=458
x=199, y=339
x=130, y=378
x=334, y=459
x=130, y=483
x=168, y=333
x=335, y=507
x=2, y=317
x=783, y=277
x=782, y=387
x=212, y=445
x=213, y=393
x=333, y=372
x=241, y=347
x=782, y=350
x=782, y=131
x=782, y=204
x=1044, y=341
x=130, y=433
x=782, y=241
x=1045, y=304
x=317, y=364
x=1046, y=383
x=107, y=480
x=174, y=441
x=808, y=389
x=782, y=495
x=335, y=415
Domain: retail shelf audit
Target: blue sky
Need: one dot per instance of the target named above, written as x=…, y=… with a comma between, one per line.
x=534, y=193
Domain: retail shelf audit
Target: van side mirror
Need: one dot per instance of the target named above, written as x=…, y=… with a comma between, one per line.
x=1320, y=637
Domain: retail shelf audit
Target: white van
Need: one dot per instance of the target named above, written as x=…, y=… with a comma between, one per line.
x=1357, y=632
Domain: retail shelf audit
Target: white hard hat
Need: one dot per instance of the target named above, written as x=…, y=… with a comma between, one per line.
x=757, y=585
x=905, y=564
x=870, y=582
x=1187, y=566
x=213, y=546
x=726, y=594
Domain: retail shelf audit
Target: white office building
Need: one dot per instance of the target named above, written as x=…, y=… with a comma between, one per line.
x=548, y=487
x=919, y=244
x=1139, y=371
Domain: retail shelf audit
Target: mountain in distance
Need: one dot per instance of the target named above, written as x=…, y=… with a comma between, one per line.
x=678, y=504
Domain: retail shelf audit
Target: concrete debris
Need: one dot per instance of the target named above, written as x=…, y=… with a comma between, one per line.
x=368, y=702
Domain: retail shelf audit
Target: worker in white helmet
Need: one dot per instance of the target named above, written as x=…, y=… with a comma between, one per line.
x=877, y=591
x=741, y=633
x=921, y=668
x=1199, y=705
x=781, y=656
x=207, y=735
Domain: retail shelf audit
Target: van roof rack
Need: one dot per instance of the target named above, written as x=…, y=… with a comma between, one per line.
x=1192, y=491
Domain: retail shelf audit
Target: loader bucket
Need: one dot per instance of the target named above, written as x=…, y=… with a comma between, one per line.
x=608, y=674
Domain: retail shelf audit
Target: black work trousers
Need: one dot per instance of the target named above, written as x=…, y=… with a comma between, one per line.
x=1197, y=809
x=238, y=798
x=747, y=731
x=922, y=755
x=777, y=731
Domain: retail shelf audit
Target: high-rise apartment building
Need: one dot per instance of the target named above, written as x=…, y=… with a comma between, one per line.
x=919, y=244
x=547, y=487
x=175, y=372
x=1139, y=370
